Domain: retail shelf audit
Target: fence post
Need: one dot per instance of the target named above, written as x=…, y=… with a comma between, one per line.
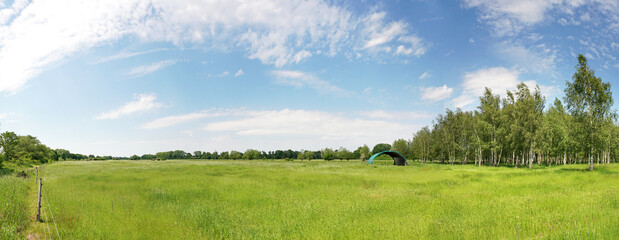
x=39, y=205
x=37, y=167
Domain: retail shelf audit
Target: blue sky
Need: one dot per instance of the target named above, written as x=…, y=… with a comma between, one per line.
x=130, y=77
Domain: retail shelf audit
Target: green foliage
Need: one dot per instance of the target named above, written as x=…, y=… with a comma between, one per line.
x=364, y=152
x=178, y=154
x=343, y=153
x=404, y=147
x=381, y=147
x=421, y=144
x=251, y=154
x=517, y=131
x=235, y=155
x=327, y=154
x=329, y=200
x=25, y=150
x=8, y=140
x=306, y=155
x=589, y=100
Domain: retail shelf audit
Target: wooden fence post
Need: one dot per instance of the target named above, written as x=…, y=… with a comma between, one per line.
x=39, y=204
x=37, y=178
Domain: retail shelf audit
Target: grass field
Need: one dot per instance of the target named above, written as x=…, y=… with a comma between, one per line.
x=318, y=200
x=13, y=204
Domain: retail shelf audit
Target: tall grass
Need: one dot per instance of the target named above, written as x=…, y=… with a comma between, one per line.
x=13, y=204
x=318, y=200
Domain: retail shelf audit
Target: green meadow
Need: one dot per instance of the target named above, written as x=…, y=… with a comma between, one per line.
x=13, y=205
x=182, y=199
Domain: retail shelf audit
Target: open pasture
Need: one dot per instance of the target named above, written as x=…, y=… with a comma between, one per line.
x=177, y=199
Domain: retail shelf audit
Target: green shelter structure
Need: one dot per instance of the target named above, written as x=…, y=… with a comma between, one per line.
x=398, y=158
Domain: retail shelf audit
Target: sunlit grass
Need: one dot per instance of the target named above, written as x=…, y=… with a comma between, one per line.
x=317, y=200
x=13, y=204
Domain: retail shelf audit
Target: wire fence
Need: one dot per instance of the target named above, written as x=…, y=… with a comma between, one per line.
x=47, y=225
x=52, y=213
x=47, y=230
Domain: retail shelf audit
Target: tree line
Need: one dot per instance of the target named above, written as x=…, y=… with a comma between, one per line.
x=28, y=150
x=328, y=154
x=517, y=130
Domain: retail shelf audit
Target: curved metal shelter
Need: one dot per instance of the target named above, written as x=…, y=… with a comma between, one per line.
x=398, y=158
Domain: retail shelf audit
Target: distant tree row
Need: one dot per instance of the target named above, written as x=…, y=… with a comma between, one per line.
x=516, y=130
x=328, y=154
x=28, y=150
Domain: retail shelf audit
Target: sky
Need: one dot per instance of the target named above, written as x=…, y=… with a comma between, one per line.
x=124, y=77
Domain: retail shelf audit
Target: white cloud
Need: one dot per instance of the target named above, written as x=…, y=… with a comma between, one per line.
x=147, y=69
x=8, y=117
x=436, y=93
x=535, y=37
x=123, y=55
x=173, y=120
x=240, y=129
x=7, y=14
x=424, y=76
x=35, y=35
x=142, y=103
x=301, y=79
x=380, y=33
x=508, y=17
x=224, y=74
x=303, y=54
x=178, y=119
x=395, y=115
x=382, y=36
x=538, y=58
x=463, y=101
x=499, y=80
x=471, y=41
x=239, y=73
x=315, y=125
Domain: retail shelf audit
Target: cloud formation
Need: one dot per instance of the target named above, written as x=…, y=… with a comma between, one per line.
x=396, y=115
x=173, y=120
x=436, y=93
x=123, y=55
x=178, y=119
x=234, y=129
x=34, y=35
x=390, y=37
x=537, y=58
x=239, y=73
x=498, y=79
x=142, y=103
x=424, y=76
x=509, y=18
x=288, y=122
x=301, y=79
x=147, y=69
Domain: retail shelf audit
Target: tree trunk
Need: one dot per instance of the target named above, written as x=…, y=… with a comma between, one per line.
x=530, y=156
x=564, y=158
x=591, y=158
x=516, y=163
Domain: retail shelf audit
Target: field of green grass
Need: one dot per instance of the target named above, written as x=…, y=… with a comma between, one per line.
x=13, y=204
x=319, y=200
